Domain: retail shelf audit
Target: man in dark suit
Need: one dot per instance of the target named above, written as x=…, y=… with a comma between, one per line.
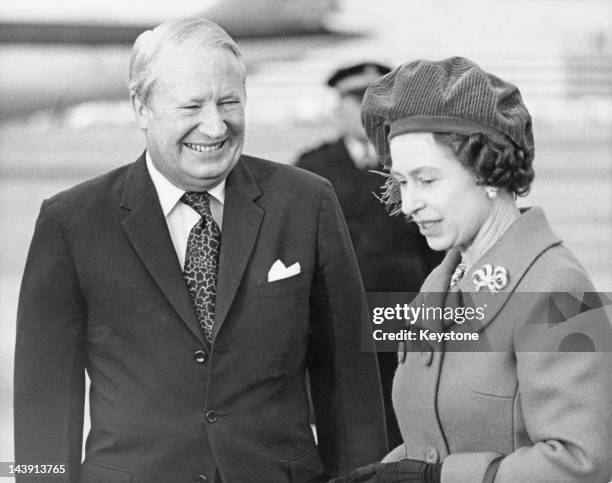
x=392, y=254
x=196, y=286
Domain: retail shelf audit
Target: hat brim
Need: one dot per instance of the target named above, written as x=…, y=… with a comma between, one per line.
x=447, y=124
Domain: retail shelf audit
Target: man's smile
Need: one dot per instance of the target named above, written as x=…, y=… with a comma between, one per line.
x=205, y=148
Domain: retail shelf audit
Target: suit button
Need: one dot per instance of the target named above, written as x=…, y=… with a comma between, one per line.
x=427, y=356
x=211, y=416
x=201, y=479
x=432, y=455
x=200, y=357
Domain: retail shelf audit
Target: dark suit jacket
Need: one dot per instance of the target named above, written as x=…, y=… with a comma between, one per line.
x=103, y=291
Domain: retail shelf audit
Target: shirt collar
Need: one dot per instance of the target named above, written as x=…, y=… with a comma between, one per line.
x=169, y=195
x=356, y=148
x=361, y=152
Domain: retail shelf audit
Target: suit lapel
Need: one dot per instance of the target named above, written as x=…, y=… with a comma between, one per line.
x=241, y=222
x=146, y=228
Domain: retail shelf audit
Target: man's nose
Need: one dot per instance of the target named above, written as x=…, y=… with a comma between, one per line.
x=411, y=200
x=211, y=122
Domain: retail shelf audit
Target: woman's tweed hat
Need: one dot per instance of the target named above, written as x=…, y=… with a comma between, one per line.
x=453, y=95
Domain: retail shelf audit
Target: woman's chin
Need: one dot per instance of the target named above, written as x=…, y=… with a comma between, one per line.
x=438, y=244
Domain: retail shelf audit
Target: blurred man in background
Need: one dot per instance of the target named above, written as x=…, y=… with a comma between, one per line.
x=196, y=286
x=392, y=255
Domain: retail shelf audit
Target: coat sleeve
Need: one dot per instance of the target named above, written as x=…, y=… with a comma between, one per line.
x=564, y=399
x=343, y=370
x=49, y=383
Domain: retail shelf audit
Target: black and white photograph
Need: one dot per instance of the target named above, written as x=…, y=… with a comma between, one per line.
x=268, y=241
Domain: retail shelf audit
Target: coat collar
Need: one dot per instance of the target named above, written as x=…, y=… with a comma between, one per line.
x=148, y=233
x=516, y=250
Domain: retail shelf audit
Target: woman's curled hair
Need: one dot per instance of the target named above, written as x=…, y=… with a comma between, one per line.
x=499, y=164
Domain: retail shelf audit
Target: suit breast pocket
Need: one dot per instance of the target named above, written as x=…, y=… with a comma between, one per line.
x=280, y=313
x=285, y=285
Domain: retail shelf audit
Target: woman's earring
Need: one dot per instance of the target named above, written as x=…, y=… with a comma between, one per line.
x=492, y=193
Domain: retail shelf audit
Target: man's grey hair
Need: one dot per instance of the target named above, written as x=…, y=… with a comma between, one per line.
x=191, y=31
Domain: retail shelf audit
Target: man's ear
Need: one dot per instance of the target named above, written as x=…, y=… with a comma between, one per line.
x=140, y=113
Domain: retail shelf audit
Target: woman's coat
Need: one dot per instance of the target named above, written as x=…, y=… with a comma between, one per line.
x=525, y=389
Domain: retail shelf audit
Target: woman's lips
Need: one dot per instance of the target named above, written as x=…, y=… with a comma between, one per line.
x=427, y=227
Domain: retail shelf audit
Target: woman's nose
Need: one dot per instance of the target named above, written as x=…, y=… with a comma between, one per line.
x=411, y=200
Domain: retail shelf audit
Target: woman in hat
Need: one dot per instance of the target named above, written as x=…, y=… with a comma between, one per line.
x=521, y=391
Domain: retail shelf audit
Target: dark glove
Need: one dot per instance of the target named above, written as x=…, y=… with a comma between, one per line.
x=403, y=471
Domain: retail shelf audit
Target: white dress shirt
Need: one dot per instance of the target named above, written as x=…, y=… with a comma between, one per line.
x=180, y=217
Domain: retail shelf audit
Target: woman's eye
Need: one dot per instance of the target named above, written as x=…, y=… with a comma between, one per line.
x=426, y=180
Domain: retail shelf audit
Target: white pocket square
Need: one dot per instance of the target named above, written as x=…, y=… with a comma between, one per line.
x=278, y=271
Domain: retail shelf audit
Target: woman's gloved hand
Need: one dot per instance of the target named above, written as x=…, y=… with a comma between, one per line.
x=403, y=471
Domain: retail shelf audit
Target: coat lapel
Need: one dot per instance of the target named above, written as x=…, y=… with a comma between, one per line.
x=241, y=222
x=516, y=250
x=146, y=228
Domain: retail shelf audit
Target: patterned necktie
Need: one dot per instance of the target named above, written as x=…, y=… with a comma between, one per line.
x=202, y=260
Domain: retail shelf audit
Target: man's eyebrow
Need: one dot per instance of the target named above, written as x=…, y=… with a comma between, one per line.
x=231, y=95
x=186, y=98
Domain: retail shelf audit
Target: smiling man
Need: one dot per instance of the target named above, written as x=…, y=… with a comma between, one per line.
x=196, y=287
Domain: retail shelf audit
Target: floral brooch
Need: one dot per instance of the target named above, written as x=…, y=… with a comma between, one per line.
x=494, y=279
